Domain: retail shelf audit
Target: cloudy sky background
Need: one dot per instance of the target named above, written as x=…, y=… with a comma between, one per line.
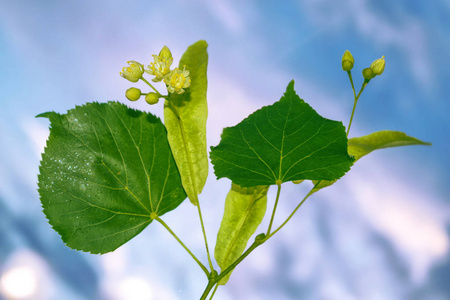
x=382, y=232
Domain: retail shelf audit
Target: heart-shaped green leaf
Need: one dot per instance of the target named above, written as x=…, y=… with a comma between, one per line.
x=105, y=170
x=282, y=142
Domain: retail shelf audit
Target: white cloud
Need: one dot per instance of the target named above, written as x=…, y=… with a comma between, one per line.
x=227, y=107
x=404, y=215
x=37, y=133
x=226, y=14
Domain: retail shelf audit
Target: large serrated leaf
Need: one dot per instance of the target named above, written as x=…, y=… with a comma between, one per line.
x=185, y=119
x=244, y=211
x=361, y=146
x=106, y=168
x=282, y=142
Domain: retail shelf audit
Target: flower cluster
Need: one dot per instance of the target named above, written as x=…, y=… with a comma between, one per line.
x=376, y=67
x=176, y=80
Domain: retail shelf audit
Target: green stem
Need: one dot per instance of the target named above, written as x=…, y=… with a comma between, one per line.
x=145, y=80
x=295, y=210
x=204, y=235
x=354, y=104
x=274, y=209
x=259, y=240
x=208, y=289
x=214, y=291
x=174, y=109
x=351, y=81
x=182, y=244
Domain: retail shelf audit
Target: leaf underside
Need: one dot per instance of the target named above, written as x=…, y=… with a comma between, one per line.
x=185, y=119
x=244, y=211
x=105, y=169
x=282, y=142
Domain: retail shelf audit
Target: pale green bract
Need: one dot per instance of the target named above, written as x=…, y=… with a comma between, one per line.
x=185, y=119
x=244, y=211
x=106, y=168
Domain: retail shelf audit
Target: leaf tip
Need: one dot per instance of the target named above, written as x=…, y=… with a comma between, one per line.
x=290, y=91
x=49, y=115
x=290, y=86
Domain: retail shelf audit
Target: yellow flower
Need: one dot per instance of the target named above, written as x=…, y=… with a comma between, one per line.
x=177, y=81
x=133, y=72
x=161, y=67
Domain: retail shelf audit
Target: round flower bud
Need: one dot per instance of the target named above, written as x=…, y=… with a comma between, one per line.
x=347, y=61
x=133, y=94
x=152, y=98
x=368, y=73
x=378, y=66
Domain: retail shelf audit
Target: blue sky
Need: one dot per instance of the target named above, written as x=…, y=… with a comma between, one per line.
x=382, y=232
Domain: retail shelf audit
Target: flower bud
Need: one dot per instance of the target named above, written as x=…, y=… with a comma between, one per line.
x=368, y=73
x=165, y=53
x=347, y=61
x=133, y=72
x=378, y=66
x=133, y=94
x=152, y=98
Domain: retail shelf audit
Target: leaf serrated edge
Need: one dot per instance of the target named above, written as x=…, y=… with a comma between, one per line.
x=52, y=117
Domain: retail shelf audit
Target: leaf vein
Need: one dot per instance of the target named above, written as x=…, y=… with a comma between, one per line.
x=257, y=154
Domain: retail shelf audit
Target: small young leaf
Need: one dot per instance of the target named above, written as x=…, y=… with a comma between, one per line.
x=282, y=142
x=244, y=211
x=185, y=119
x=106, y=168
x=321, y=184
x=361, y=146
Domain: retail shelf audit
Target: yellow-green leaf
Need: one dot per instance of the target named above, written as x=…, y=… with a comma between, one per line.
x=185, y=119
x=361, y=146
x=244, y=211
